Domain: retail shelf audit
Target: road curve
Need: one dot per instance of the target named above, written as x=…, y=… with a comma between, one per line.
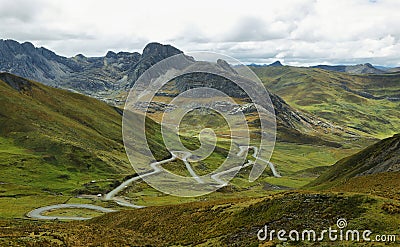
x=223, y=183
x=37, y=213
x=121, y=187
x=184, y=158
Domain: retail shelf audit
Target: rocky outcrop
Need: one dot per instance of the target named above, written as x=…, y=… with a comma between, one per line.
x=20, y=84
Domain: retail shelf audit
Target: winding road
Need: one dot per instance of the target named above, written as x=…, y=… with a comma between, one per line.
x=112, y=195
x=37, y=213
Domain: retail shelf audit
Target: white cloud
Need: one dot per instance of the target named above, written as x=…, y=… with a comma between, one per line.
x=297, y=32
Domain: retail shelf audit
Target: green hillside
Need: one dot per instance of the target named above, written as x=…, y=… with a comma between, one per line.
x=383, y=156
x=368, y=104
x=54, y=141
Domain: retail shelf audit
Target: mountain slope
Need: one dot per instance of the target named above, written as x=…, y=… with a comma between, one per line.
x=293, y=125
x=394, y=70
x=381, y=157
x=367, y=104
x=55, y=140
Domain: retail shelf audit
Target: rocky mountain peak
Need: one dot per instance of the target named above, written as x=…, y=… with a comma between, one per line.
x=111, y=54
x=160, y=50
x=9, y=43
x=225, y=65
x=276, y=64
x=28, y=45
x=365, y=68
x=80, y=57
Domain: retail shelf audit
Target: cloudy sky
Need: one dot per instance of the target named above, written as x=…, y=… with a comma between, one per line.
x=303, y=32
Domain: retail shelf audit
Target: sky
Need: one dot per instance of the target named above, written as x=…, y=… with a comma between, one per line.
x=306, y=32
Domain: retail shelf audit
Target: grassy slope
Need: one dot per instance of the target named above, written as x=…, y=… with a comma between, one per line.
x=48, y=133
x=321, y=92
x=386, y=184
x=349, y=167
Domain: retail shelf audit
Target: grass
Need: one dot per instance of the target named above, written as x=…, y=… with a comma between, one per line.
x=18, y=206
x=27, y=172
x=77, y=212
x=372, y=184
x=292, y=158
x=283, y=211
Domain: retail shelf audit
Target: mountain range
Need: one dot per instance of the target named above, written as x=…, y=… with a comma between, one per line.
x=368, y=104
x=94, y=76
x=359, y=69
x=104, y=77
x=366, y=68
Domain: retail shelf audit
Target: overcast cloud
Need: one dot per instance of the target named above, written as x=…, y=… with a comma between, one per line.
x=295, y=32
